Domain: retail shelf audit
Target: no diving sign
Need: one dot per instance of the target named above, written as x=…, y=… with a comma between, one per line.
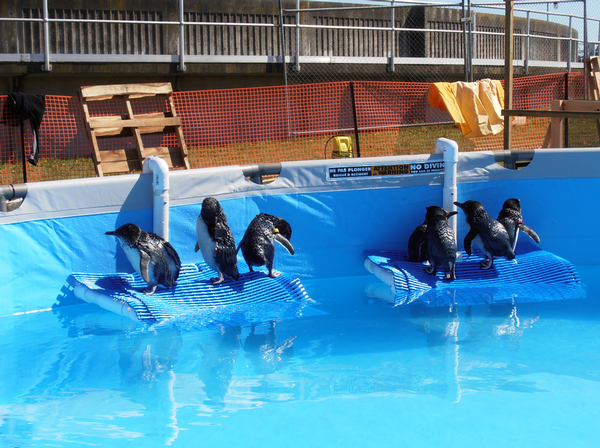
x=354, y=172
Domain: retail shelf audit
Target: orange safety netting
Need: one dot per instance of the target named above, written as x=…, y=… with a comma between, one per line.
x=270, y=124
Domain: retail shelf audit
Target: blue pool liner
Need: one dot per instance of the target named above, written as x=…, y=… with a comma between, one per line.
x=537, y=275
x=196, y=303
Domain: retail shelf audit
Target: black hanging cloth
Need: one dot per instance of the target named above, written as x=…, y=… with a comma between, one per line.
x=30, y=106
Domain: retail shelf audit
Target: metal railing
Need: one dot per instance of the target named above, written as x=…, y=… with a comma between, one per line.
x=387, y=51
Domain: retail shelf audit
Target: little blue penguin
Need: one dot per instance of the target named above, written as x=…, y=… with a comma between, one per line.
x=441, y=241
x=258, y=243
x=511, y=218
x=215, y=241
x=417, y=244
x=488, y=233
x=153, y=258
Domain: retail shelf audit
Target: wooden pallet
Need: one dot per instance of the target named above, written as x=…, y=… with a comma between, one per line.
x=593, y=73
x=129, y=125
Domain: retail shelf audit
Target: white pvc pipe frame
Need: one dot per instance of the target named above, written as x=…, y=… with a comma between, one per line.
x=160, y=186
x=449, y=149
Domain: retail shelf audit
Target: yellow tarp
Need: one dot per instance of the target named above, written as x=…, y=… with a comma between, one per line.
x=475, y=106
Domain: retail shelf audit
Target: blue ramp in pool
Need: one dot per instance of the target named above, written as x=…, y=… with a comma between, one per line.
x=195, y=302
x=536, y=276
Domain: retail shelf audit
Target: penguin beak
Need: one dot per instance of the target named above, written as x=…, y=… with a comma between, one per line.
x=110, y=232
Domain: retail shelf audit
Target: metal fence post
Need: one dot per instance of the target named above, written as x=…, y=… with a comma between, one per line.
x=181, y=67
x=526, y=56
x=46, y=67
x=570, y=43
x=464, y=32
x=391, y=67
x=297, y=62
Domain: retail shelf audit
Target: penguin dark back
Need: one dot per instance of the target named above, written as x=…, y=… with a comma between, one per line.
x=441, y=241
x=487, y=233
x=417, y=244
x=215, y=241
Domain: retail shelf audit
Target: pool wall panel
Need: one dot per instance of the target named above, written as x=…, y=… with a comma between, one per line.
x=60, y=227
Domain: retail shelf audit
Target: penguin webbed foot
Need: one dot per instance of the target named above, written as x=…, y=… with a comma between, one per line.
x=274, y=274
x=451, y=274
x=488, y=264
x=149, y=290
x=218, y=280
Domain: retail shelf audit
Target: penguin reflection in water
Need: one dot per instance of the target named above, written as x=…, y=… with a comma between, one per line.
x=511, y=218
x=153, y=258
x=215, y=241
x=258, y=243
x=488, y=233
x=441, y=241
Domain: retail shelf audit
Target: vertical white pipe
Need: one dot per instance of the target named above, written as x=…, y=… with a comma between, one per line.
x=160, y=186
x=449, y=149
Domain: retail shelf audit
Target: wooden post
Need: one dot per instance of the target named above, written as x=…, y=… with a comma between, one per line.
x=508, y=70
x=556, y=126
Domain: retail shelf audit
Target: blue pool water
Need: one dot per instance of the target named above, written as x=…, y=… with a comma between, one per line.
x=361, y=374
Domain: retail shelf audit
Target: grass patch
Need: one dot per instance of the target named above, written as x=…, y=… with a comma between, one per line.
x=400, y=141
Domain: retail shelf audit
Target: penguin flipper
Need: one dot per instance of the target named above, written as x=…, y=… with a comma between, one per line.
x=197, y=248
x=144, y=266
x=529, y=232
x=469, y=239
x=284, y=242
x=174, y=263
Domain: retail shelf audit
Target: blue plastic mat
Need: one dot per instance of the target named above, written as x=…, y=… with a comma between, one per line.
x=196, y=303
x=537, y=275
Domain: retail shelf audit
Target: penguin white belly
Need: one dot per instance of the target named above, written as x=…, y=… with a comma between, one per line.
x=206, y=244
x=514, y=246
x=479, y=242
x=134, y=257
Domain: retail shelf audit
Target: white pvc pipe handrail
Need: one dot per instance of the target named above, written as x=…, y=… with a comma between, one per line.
x=160, y=186
x=449, y=149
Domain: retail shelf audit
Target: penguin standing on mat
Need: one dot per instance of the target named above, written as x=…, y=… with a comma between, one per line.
x=488, y=233
x=511, y=218
x=215, y=241
x=441, y=241
x=258, y=243
x=153, y=258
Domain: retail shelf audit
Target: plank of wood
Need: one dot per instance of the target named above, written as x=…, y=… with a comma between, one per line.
x=123, y=166
x=550, y=113
x=170, y=155
x=117, y=122
x=100, y=93
x=120, y=130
